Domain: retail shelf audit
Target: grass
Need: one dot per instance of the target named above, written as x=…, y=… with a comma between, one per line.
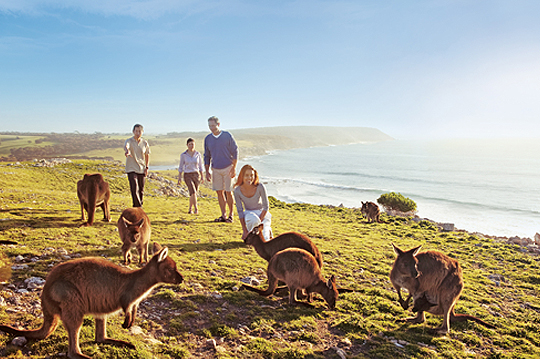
x=39, y=209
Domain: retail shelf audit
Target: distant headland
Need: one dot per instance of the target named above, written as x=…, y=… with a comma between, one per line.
x=166, y=149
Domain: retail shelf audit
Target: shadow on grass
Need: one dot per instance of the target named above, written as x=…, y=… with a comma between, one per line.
x=208, y=247
x=43, y=218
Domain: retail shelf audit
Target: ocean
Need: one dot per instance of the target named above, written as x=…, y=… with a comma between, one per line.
x=486, y=186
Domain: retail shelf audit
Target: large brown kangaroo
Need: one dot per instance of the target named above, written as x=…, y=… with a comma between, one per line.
x=286, y=240
x=94, y=285
x=299, y=270
x=134, y=230
x=93, y=191
x=433, y=278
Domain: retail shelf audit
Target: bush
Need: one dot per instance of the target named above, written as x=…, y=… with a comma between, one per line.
x=396, y=202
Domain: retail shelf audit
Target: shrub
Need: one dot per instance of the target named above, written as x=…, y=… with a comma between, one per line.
x=396, y=202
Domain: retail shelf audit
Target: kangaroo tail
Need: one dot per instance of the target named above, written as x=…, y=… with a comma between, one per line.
x=49, y=325
x=465, y=317
x=264, y=293
x=91, y=195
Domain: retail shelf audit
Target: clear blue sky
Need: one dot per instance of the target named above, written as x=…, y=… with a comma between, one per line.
x=409, y=68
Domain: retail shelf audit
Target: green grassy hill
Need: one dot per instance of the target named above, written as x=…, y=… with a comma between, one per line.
x=39, y=210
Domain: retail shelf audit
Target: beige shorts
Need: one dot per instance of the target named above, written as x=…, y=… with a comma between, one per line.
x=221, y=179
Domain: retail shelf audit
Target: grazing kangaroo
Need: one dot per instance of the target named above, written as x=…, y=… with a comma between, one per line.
x=371, y=211
x=299, y=270
x=93, y=191
x=134, y=230
x=94, y=285
x=286, y=240
x=435, y=280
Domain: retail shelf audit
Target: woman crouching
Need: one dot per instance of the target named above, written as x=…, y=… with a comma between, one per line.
x=252, y=202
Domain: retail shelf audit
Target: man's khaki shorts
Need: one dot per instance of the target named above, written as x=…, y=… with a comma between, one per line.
x=221, y=179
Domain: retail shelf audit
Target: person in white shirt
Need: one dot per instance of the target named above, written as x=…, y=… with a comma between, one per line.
x=252, y=202
x=191, y=165
x=137, y=153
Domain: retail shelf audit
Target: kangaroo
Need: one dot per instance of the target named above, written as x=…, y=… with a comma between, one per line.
x=134, y=230
x=371, y=211
x=299, y=270
x=93, y=191
x=286, y=240
x=94, y=285
x=434, y=276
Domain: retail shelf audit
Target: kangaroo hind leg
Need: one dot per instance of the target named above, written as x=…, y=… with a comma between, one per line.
x=101, y=334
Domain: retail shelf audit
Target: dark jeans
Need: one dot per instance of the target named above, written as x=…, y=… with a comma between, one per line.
x=136, y=184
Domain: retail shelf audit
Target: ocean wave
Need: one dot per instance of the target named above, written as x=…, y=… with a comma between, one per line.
x=417, y=197
x=466, y=182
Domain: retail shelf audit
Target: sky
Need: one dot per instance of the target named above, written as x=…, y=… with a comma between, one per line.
x=412, y=69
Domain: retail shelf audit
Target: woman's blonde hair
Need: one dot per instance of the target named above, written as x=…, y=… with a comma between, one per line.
x=240, y=179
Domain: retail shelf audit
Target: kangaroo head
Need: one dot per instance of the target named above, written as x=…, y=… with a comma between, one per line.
x=255, y=232
x=332, y=298
x=134, y=229
x=166, y=267
x=406, y=262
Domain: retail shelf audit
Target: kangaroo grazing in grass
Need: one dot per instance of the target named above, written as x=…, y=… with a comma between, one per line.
x=299, y=270
x=371, y=212
x=93, y=192
x=286, y=240
x=134, y=230
x=94, y=285
x=435, y=280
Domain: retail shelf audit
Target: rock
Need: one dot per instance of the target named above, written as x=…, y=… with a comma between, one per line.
x=211, y=343
x=19, y=258
x=196, y=286
x=447, y=227
x=537, y=239
x=19, y=341
x=34, y=282
x=136, y=330
x=250, y=280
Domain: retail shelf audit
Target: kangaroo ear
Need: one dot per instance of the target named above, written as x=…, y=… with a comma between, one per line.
x=156, y=247
x=163, y=254
x=331, y=282
x=126, y=222
x=415, y=250
x=139, y=223
x=397, y=251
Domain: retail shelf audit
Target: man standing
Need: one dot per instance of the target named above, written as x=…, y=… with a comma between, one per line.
x=221, y=151
x=137, y=153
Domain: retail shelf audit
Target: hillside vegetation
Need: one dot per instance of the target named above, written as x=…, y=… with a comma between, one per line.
x=207, y=316
x=166, y=149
